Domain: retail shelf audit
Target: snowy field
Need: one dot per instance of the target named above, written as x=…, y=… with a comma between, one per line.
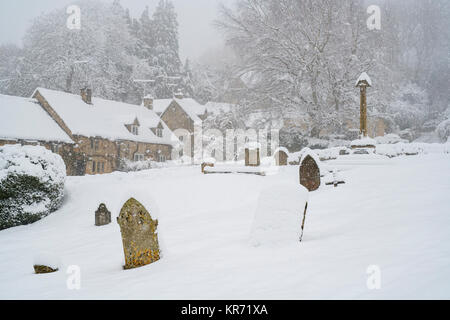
x=394, y=214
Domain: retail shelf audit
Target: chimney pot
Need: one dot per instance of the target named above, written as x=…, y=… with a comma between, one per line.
x=179, y=95
x=148, y=102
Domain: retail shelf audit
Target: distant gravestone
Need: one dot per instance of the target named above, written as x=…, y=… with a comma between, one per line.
x=281, y=158
x=252, y=154
x=206, y=164
x=102, y=216
x=309, y=173
x=139, y=236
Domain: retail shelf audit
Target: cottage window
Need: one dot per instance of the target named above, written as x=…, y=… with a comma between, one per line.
x=135, y=130
x=94, y=144
x=93, y=166
x=138, y=157
x=55, y=148
x=162, y=158
x=159, y=132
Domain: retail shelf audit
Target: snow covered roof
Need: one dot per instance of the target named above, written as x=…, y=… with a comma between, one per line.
x=364, y=77
x=24, y=119
x=105, y=118
x=189, y=105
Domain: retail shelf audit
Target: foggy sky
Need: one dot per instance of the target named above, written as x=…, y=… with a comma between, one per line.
x=194, y=16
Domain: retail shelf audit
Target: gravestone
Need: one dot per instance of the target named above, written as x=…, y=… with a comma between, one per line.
x=206, y=164
x=102, y=216
x=252, y=155
x=39, y=269
x=139, y=236
x=309, y=174
x=281, y=158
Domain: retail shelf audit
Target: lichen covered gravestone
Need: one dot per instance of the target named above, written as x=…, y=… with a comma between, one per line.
x=46, y=263
x=102, y=216
x=309, y=171
x=139, y=236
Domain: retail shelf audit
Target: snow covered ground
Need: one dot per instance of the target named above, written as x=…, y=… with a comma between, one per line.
x=394, y=215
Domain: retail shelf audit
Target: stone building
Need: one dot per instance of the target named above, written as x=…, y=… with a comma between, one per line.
x=182, y=115
x=23, y=121
x=92, y=135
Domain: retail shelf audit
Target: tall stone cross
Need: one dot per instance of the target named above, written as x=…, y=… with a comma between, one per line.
x=363, y=82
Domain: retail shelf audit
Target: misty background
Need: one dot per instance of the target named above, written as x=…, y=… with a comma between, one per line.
x=283, y=64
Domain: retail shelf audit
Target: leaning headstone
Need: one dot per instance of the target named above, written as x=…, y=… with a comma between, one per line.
x=102, y=216
x=309, y=170
x=39, y=269
x=278, y=215
x=252, y=154
x=139, y=236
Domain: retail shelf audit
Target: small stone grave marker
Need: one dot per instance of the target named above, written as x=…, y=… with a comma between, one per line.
x=102, y=216
x=281, y=158
x=139, y=236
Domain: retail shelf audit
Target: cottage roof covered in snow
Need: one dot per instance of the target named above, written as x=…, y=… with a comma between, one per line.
x=106, y=119
x=364, y=77
x=192, y=108
x=24, y=119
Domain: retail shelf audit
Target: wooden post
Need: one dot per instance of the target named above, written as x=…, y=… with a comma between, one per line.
x=363, y=112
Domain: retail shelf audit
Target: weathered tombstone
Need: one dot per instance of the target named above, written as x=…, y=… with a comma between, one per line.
x=278, y=215
x=206, y=164
x=309, y=173
x=38, y=269
x=139, y=236
x=252, y=155
x=102, y=216
x=281, y=158
x=45, y=262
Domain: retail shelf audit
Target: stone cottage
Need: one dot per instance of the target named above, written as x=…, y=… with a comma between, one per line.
x=23, y=121
x=106, y=133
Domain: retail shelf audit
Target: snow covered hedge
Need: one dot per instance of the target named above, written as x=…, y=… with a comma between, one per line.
x=31, y=184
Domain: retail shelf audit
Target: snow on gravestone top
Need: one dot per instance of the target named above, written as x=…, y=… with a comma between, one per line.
x=279, y=214
x=364, y=77
x=309, y=170
x=363, y=142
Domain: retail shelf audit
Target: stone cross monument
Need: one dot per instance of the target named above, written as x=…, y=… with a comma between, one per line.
x=363, y=82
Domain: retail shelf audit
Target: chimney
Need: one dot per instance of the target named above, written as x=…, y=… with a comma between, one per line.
x=148, y=102
x=179, y=94
x=86, y=95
